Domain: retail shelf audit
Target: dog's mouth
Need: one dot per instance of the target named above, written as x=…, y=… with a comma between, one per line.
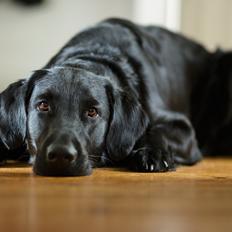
x=43, y=170
x=82, y=168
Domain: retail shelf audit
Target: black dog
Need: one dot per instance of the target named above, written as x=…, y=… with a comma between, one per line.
x=120, y=94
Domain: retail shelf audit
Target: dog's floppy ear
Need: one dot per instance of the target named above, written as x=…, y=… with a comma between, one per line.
x=127, y=124
x=13, y=115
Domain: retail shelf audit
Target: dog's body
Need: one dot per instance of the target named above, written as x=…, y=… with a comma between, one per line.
x=119, y=93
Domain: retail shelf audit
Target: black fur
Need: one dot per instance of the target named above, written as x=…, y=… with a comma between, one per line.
x=155, y=93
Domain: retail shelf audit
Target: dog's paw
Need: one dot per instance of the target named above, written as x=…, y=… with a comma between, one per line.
x=152, y=160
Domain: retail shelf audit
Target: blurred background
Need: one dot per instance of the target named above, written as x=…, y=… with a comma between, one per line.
x=32, y=31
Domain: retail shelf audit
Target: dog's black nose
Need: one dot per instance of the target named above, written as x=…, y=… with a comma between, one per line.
x=61, y=154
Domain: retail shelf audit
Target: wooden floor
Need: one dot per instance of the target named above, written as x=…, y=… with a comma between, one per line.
x=197, y=198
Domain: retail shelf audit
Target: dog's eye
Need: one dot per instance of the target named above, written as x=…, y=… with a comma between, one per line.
x=43, y=106
x=92, y=113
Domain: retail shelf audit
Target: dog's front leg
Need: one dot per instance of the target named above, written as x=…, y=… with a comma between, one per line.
x=169, y=140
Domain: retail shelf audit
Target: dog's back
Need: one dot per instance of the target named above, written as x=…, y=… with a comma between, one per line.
x=177, y=71
x=163, y=59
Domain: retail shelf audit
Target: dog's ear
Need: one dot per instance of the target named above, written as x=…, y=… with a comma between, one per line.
x=128, y=122
x=13, y=115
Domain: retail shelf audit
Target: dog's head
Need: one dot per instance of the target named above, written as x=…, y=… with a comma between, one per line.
x=72, y=120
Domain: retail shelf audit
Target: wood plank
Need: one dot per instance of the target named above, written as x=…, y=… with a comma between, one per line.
x=197, y=198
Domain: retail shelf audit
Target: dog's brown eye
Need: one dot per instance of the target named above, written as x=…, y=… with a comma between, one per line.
x=43, y=106
x=92, y=113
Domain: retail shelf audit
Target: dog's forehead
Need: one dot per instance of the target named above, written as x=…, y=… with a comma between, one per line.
x=70, y=82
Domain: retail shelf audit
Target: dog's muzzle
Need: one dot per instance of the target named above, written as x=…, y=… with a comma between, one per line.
x=61, y=155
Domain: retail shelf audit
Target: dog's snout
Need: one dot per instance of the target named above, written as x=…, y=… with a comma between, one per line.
x=61, y=154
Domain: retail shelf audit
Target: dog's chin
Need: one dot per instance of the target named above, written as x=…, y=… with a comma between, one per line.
x=38, y=170
x=42, y=169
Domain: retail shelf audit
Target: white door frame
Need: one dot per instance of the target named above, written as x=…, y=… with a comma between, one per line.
x=166, y=13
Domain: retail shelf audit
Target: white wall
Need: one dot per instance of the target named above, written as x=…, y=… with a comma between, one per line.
x=30, y=36
x=208, y=21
